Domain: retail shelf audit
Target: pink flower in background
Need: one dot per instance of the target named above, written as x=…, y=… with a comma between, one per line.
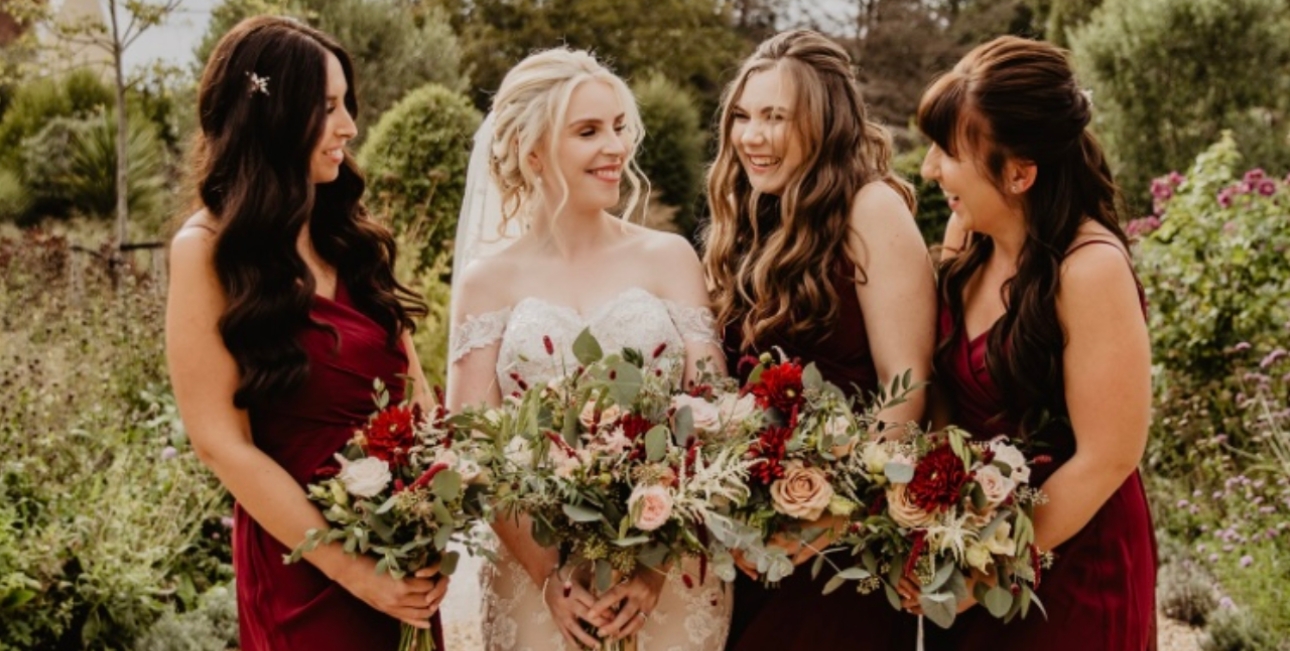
x=1255, y=175
x=1267, y=187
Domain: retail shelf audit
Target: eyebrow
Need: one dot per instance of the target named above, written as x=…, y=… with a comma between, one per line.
x=592, y=121
x=765, y=109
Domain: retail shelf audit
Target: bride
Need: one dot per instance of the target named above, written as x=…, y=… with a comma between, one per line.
x=563, y=133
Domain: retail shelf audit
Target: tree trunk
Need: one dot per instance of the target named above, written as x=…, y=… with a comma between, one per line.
x=122, y=136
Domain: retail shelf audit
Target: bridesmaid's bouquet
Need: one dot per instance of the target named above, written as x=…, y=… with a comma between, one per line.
x=951, y=513
x=616, y=466
x=804, y=482
x=400, y=490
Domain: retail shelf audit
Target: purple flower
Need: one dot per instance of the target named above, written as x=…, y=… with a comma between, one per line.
x=1273, y=357
x=1227, y=603
x=227, y=521
x=1182, y=504
x=1244, y=187
x=1161, y=188
x=1255, y=175
x=1176, y=179
x=1247, y=560
x=1243, y=346
x=1213, y=558
x=1142, y=226
x=168, y=453
x=1267, y=187
x=1225, y=197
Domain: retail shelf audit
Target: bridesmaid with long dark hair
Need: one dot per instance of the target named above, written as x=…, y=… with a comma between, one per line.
x=283, y=309
x=812, y=249
x=1042, y=338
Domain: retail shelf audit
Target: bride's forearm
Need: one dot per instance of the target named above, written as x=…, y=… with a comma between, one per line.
x=538, y=562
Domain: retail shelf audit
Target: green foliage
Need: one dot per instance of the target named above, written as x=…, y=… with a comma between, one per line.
x=396, y=45
x=70, y=167
x=416, y=160
x=112, y=527
x=1236, y=630
x=1170, y=75
x=672, y=154
x=212, y=626
x=932, y=212
x=37, y=102
x=691, y=41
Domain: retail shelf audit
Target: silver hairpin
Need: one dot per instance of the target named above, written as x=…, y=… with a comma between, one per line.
x=258, y=84
x=1088, y=95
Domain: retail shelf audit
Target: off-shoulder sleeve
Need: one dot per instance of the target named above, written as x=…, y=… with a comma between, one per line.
x=477, y=332
x=696, y=324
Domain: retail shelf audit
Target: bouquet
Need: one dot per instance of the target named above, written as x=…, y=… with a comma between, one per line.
x=403, y=487
x=950, y=512
x=804, y=487
x=615, y=466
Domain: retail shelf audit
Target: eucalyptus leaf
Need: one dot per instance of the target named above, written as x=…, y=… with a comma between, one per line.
x=940, y=607
x=656, y=443
x=447, y=485
x=448, y=562
x=683, y=422
x=998, y=600
x=627, y=383
x=855, y=573
x=578, y=513
x=586, y=349
x=898, y=473
x=604, y=576
x=833, y=583
x=811, y=377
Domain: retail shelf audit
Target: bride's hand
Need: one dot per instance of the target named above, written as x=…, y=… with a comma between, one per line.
x=632, y=601
x=568, y=602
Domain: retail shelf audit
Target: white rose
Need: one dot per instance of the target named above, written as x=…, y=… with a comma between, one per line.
x=840, y=428
x=469, y=469
x=875, y=457
x=1010, y=455
x=996, y=487
x=978, y=556
x=650, y=506
x=735, y=408
x=365, y=477
x=518, y=452
x=707, y=417
x=1001, y=542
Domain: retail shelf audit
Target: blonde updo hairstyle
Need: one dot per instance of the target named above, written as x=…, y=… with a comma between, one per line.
x=531, y=105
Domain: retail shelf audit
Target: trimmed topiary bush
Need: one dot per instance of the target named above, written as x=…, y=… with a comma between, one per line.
x=416, y=159
x=672, y=154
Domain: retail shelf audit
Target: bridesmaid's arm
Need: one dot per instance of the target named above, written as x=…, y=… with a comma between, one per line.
x=899, y=297
x=1108, y=390
x=205, y=376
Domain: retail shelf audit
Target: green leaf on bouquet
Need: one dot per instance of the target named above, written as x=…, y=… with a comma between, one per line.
x=854, y=574
x=441, y=513
x=632, y=541
x=833, y=583
x=940, y=607
x=634, y=357
x=811, y=378
x=386, y=506
x=604, y=576
x=383, y=565
x=1024, y=598
x=442, y=537
x=656, y=443
x=586, y=348
x=448, y=563
x=351, y=546
x=998, y=600
x=652, y=555
x=892, y=597
x=1024, y=533
x=898, y=473
x=958, y=585
x=683, y=422
x=578, y=513
x=978, y=497
x=979, y=591
x=988, y=531
x=447, y=485
x=380, y=527
x=627, y=383
x=942, y=575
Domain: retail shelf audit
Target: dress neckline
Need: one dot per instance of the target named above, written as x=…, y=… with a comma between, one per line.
x=591, y=314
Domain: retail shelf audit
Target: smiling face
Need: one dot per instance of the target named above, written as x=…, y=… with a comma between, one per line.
x=763, y=131
x=591, y=148
x=338, y=130
x=973, y=195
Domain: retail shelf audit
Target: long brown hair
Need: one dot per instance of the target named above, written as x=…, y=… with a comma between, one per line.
x=772, y=260
x=1014, y=98
x=251, y=172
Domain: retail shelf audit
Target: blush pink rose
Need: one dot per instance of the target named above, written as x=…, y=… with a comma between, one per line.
x=803, y=493
x=650, y=506
x=903, y=510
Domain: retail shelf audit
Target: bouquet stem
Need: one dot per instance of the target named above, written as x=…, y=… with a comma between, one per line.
x=412, y=638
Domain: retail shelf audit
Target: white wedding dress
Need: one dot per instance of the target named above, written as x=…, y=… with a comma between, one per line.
x=515, y=618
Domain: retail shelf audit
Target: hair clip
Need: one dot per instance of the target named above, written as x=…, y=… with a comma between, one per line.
x=258, y=84
x=1088, y=95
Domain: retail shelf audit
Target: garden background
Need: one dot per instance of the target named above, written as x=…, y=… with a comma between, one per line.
x=112, y=534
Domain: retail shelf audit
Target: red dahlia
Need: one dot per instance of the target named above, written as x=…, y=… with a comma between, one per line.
x=938, y=479
x=391, y=433
x=769, y=447
x=780, y=386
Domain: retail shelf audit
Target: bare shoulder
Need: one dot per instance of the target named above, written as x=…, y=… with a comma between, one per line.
x=485, y=284
x=665, y=248
x=193, y=246
x=878, y=202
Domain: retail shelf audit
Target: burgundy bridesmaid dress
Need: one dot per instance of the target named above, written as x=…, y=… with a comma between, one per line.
x=1100, y=592
x=296, y=607
x=796, y=615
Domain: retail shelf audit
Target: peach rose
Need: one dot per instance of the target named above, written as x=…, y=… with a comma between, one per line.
x=707, y=418
x=607, y=415
x=650, y=506
x=995, y=486
x=904, y=511
x=802, y=492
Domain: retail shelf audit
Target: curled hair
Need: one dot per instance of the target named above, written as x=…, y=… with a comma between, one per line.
x=251, y=171
x=772, y=260
x=530, y=106
x=1018, y=99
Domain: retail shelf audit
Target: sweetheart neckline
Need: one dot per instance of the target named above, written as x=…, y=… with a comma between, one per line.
x=593, y=313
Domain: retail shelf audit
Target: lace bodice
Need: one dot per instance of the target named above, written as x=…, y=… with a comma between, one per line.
x=635, y=318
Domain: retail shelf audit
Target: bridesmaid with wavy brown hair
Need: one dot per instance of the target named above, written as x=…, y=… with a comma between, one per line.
x=813, y=249
x=1043, y=339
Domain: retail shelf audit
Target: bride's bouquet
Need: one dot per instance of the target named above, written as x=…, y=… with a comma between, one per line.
x=616, y=467
x=950, y=513
x=405, y=485
x=805, y=482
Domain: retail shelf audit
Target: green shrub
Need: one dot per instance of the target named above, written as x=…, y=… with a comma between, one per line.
x=212, y=626
x=15, y=200
x=70, y=167
x=416, y=159
x=672, y=154
x=1236, y=630
x=37, y=102
x=933, y=212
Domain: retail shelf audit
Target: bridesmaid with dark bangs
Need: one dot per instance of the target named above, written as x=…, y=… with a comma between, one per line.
x=283, y=308
x=1042, y=339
